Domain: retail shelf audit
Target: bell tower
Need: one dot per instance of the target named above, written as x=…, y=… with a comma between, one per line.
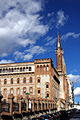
x=60, y=63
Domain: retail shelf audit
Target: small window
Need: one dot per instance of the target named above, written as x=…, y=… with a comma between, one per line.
x=18, y=80
x=37, y=66
x=21, y=69
x=31, y=90
x=12, y=70
x=5, y=81
x=40, y=66
x=38, y=80
x=24, y=80
x=38, y=91
x=47, y=95
x=30, y=79
x=29, y=68
x=3, y=70
x=47, y=86
x=11, y=80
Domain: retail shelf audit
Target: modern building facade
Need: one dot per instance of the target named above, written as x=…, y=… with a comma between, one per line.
x=39, y=79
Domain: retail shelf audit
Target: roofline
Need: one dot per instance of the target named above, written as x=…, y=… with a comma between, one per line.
x=23, y=62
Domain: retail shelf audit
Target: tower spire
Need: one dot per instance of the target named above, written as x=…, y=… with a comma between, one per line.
x=58, y=41
x=59, y=56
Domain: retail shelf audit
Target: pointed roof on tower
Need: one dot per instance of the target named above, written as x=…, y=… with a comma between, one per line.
x=58, y=41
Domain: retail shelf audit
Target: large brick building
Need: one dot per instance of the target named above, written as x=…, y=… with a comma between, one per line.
x=38, y=79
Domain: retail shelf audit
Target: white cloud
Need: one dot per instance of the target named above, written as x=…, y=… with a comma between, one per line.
x=4, y=55
x=70, y=34
x=29, y=53
x=6, y=61
x=18, y=55
x=20, y=23
x=61, y=18
x=74, y=78
x=26, y=42
x=77, y=91
x=28, y=57
x=28, y=6
x=50, y=41
x=36, y=50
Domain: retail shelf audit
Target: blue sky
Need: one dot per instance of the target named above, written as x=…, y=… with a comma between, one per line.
x=29, y=28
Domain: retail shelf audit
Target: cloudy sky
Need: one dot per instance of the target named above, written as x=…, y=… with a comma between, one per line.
x=29, y=28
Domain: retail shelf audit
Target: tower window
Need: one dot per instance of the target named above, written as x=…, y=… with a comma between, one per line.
x=38, y=80
x=47, y=85
x=39, y=91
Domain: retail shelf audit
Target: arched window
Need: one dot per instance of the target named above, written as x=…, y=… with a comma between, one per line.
x=47, y=85
x=12, y=70
x=37, y=66
x=9, y=70
x=39, y=91
x=31, y=90
x=24, y=80
x=11, y=91
x=40, y=66
x=38, y=80
x=18, y=91
x=18, y=80
x=24, y=90
x=11, y=80
x=29, y=68
x=5, y=92
x=47, y=95
x=30, y=80
x=21, y=69
x=5, y=81
x=3, y=70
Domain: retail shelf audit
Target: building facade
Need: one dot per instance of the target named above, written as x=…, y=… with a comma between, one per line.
x=39, y=79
